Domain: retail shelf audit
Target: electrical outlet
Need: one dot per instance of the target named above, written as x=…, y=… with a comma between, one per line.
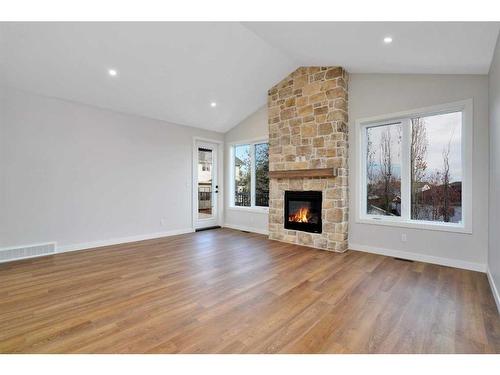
x=403, y=237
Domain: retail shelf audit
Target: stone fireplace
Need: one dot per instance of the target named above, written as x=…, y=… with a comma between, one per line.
x=308, y=153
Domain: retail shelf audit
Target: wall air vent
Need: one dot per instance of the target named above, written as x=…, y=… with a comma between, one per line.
x=30, y=251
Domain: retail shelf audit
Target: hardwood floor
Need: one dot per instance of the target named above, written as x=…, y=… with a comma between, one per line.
x=225, y=291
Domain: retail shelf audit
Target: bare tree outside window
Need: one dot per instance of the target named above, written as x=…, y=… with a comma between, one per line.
x=386, y=166
x=436, y=173
x=418, y=167
x=251, y=175
x=242, y=176
x=384, y=170
x=370, y=158
x=262, y=174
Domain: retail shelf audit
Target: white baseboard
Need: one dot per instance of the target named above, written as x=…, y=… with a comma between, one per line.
x=494, y=289
x=420, y=257
x=248, y=229
x=121, y=240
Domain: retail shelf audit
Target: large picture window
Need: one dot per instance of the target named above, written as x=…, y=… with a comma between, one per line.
x=250, y=168
x=414, y=168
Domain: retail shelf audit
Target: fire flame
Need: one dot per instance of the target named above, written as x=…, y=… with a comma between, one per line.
x=301, y=216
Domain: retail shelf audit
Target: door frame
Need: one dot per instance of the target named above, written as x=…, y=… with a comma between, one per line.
x=220, y=180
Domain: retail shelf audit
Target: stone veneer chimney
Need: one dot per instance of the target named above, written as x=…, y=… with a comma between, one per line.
x=308, y=129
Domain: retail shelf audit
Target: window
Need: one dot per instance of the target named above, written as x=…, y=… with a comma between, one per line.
x=262, y=174
x=436, y=168
x=415, y=169
x=250, y=166
x=383, y=169
x=242, y=175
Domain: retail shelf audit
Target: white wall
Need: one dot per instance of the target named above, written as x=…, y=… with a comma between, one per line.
x=494, y=202
x=252, y=128
x=77, y=174
x=378, y=94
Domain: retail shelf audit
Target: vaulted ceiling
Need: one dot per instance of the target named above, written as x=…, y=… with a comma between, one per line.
x=174, y=71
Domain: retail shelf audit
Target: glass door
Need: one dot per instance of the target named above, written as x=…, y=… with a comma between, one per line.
x=206, y=185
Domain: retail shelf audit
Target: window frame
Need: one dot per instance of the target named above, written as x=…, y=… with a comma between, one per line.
x=252, y=207
x=464, y=106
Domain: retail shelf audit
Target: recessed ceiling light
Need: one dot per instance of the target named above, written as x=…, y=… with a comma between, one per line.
x=112, y=72
x=388, y=40
x=213, y=104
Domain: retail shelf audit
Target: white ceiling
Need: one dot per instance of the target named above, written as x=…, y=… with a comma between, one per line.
x=172, y=71
x=417, y=47
x=167, y=71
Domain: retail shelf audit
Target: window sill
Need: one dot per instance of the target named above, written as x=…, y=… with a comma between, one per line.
x=257, y=210
x=426, y=225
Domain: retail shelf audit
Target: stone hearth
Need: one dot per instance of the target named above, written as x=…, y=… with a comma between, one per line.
x=308, y=129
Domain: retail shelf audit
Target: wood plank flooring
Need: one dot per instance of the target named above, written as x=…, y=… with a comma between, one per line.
x=226, y=291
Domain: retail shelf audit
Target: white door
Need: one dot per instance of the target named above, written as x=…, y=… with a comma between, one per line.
x=206, y=186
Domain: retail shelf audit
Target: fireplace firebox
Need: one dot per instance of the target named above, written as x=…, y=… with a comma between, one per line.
x=303, y=211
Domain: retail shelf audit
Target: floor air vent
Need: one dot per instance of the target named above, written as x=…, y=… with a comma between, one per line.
x=207, y=228
x=30, y=251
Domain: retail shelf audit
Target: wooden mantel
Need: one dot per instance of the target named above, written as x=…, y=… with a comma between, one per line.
x=299, y=173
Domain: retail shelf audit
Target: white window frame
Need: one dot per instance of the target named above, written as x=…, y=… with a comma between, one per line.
x=252, y=207
x=464, y=106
